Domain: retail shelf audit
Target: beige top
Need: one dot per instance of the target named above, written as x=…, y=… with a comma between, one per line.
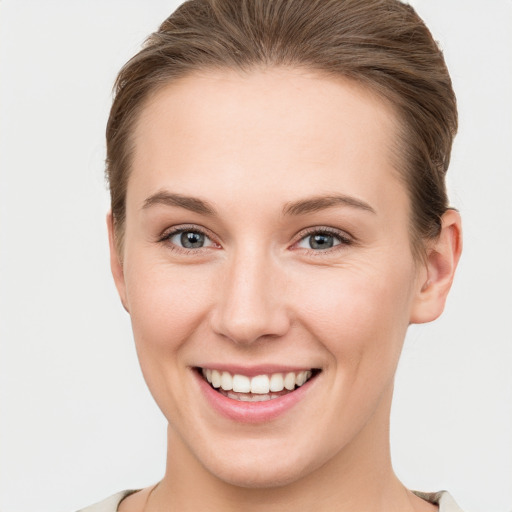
x=443, y=499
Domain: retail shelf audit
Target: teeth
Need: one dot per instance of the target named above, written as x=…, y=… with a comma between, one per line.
x=258, y=385
x=302, y=377
x=241, y=384
x=250, y=398
x=289, y=381
x=276, y=382
x=215, y=379
x=226, y=381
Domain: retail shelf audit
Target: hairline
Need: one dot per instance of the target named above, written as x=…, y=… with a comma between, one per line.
x=385, y=95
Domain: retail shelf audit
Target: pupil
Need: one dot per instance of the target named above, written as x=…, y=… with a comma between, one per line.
x=192, y=240
x=321, y=241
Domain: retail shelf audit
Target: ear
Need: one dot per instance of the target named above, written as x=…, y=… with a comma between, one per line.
x=116, y=263
x=439, y=270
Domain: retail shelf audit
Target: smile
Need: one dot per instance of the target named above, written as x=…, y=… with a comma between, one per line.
x=259, y=388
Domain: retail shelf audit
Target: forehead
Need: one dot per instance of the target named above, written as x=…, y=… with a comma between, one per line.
x=286, y=128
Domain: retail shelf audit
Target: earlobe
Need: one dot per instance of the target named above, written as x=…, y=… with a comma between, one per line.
x=116, y=264
x=440, y=265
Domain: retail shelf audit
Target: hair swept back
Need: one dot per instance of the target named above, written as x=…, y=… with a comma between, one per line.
x=382, y=44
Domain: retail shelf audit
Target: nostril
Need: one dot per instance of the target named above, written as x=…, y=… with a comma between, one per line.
x=250, y=329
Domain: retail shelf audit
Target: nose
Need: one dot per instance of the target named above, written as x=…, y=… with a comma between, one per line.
x=251, y=299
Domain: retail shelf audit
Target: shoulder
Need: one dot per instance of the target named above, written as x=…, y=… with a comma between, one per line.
x=110, y=504
x=442, y=498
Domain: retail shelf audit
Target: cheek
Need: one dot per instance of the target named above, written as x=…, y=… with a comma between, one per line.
x=358, y=310
x=167, y=307
x=166, y=302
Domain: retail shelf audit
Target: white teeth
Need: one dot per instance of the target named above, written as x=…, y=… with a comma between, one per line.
x=241, y=384
x=259, y=385
x=215, y=379
x=300, y=378
x=289, y=381
x=250, y=398
x=276, y=382
x=260, y=398
x=226, y=381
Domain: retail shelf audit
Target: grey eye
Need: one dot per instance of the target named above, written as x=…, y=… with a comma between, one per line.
x=319, y=241
x=190, y=239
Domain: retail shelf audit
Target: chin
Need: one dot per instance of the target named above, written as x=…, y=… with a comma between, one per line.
x=260, y=469
x=258, y=477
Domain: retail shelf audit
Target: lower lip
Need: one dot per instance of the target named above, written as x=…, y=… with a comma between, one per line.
x=252, y=412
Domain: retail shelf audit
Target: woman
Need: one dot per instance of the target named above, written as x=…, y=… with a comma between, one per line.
x=279, y=218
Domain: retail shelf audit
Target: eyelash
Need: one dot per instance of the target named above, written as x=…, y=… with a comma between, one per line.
x=167, y=235
x=343, y=239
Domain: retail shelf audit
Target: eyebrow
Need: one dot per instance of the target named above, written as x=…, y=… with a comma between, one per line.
x=318, y=203
x=300, y=207
x=193, y=204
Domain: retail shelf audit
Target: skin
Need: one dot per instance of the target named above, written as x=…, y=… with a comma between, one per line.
x=257, y=293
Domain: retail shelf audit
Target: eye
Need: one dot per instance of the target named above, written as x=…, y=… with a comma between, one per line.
x=188, y=239
x=322, y=240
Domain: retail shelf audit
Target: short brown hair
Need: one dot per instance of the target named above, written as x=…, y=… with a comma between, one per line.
x=382, y=44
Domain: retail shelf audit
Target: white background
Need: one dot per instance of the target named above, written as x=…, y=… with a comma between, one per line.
x=76, y=421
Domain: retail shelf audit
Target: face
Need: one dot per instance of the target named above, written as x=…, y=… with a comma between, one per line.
x=267, y=244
